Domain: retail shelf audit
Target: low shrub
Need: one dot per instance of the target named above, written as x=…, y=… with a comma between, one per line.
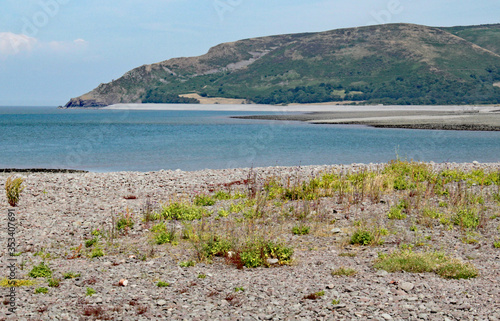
x=41, y=290
x=362, y=237
x=40, y=271
x=203, y=200
x=182, y=212
x=466, y=218
x=301, y=230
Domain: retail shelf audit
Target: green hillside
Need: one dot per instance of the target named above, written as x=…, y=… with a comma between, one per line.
x=389, y=64
x=486, y=36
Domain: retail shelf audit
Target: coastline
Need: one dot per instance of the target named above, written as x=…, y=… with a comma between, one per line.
x=59, y=211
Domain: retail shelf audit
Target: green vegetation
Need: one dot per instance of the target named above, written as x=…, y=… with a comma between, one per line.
x=203, y=200
x=71, y=275
x=41, y=290
x=362, y=237
x=162, y=235
x=158, y=96
x=396, y=212
x=40, y=271
x=187, y=264
x=125, y=221
x=301, y=230
x=182, y=212
x=53, y=282
x=420, y=262
x=343, y=271
x=97, y=252
x=162, y=284
x=13, y=189
x=90, y=291
x=91, y=242
x=7, y=283
x=466, y=218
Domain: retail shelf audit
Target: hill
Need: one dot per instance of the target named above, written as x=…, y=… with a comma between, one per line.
x=389, y=64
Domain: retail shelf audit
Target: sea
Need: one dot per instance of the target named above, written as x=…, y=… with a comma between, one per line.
x=100, y=140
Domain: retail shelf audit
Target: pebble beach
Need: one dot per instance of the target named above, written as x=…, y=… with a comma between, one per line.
x=58, y=212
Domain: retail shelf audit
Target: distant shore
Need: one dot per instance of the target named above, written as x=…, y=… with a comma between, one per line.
x=476, y=118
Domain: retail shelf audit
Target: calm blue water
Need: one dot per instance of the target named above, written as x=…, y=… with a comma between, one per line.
x=109, y=140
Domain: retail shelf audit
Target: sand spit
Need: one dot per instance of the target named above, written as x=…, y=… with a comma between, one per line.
x=415, y=117
x=58, y=211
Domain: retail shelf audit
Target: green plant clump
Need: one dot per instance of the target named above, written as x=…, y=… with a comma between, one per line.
x=301, y=230
x=71, y=275
x=187, y=264
x=13, y=189
x=343, y=271
x=466, y=218
x=182, y=212
x=97, y=252
x=40, y=271
x=203, y=200
x=362, y=237
x=41, y=290
x=420, y=262
x=216, y=246
x=90, y=292
x=125, y=221
x=162, y=284
x=90, y=242
x=256, y=253
x=53, y=282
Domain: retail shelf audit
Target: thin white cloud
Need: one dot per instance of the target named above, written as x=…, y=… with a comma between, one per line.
x=66, y=46
x=13, y=44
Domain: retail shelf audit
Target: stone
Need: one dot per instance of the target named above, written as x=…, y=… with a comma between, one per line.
x=272, y=261
x=123, y=282
x=336, y=230
x=382, y=273
x=161, y=303
x=407, y=286
x=386, y=316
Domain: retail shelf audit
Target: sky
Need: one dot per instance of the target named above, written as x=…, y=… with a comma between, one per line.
x=53, y=50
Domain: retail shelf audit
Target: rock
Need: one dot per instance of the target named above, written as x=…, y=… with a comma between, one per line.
x=382, y=273
x=475, y=162
x=123, y=282
x=338, y=306
x=272, y=261
x=336, y=230
x=330, y=286
x=386, y=316
x=161, y=303
x=407, y=286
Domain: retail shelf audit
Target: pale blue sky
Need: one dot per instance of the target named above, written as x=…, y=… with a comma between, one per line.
x=53, y=50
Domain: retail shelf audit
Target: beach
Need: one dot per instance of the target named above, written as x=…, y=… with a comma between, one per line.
x=486, y=118
x=60, y=212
